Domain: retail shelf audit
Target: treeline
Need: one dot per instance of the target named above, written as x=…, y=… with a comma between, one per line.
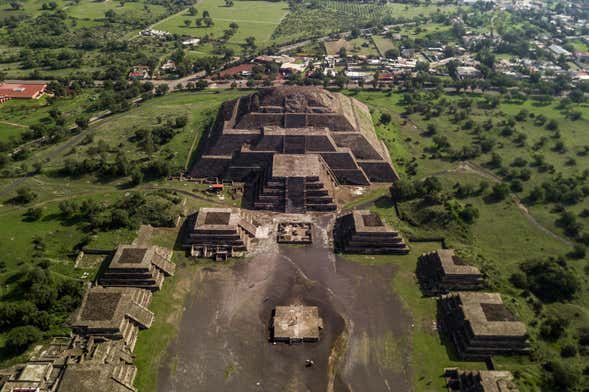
x=156, y=209
x=45, y=301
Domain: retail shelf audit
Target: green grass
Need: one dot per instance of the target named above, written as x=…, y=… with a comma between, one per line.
x=8, y=132
x=383, y=44
x=357, y=46
x=200, y=108
x=88, y=9
x=255, y=18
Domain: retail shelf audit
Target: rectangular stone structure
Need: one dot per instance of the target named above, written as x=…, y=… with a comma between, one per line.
x=479, y=325
x=296, y=324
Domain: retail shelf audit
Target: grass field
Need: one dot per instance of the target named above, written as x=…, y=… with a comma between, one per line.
x=383, y=44
x=92, y=10
x=8, y=131
x=254, y=18
x=501, y=239
x=357, y=46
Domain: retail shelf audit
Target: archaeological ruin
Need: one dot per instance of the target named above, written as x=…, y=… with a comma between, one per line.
x=294, y=233
x=141, y=267
x=296, y=324
x=219, y=233
x=460, y=380
x=479, y=325
x=293, y=146
x=442, y=271
x=364, y=232
x=115, y=313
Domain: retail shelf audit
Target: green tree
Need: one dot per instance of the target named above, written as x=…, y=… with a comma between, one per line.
x=20, y=338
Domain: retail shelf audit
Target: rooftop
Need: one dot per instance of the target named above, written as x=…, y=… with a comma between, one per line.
x=22, y=90
x=297, y=323
x=487, y=315
x=368, y=221
x=452, y=264
x=296, y=165
x=217, y=218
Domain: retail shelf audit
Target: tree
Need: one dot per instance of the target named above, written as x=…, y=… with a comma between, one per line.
x=403, y=190
x=205, y=14
x=392, y=53
x=562, y=377
x=499, y=192
x=385, y=118
x=15, y=5
x=208, y=22
x=187, y=22
x=82, y=122
x=34, y=214
x=233, y=26
x=228, y=3
x=20, y=338
x=549, y=280
x=24, y=195
x=161, y=90
x=192, y=11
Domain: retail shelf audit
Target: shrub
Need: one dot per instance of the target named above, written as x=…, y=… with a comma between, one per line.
x=550, y=281
x=568, y=350
x=553, y=328
x=562, y=377
x=20, y=338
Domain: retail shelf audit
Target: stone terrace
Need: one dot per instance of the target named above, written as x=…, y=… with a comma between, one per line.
x=251, y=131
x=479, y=325
x=442, y=271
x=141, y=267
x=219, y=233
x=460, y=380
x=113, y=313
x=364, y=232
x=296, y=324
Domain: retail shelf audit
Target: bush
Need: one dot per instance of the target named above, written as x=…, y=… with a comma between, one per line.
x=385, y=118
x=519, y=280
x=568, y=351
x=499, y=192
x=34, y=214
x=20, y=338
x=553, y=328
x=550, y=281
x=562, y=377
x=24, y=195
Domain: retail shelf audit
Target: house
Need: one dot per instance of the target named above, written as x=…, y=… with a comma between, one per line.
x=169, y=66
x=21, y=91
x=583, y=57
x=191, y=42
x=468, y=72
x=139, y=72
x=293, y=68
x=559, y=50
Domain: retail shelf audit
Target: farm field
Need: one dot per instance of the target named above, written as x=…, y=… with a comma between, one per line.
x=255, y=18
x=338, y=16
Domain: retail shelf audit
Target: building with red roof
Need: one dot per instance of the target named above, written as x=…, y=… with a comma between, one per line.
x=22, y=90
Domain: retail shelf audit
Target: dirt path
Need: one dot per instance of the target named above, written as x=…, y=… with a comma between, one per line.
x=13, y=124
x=469, y=167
